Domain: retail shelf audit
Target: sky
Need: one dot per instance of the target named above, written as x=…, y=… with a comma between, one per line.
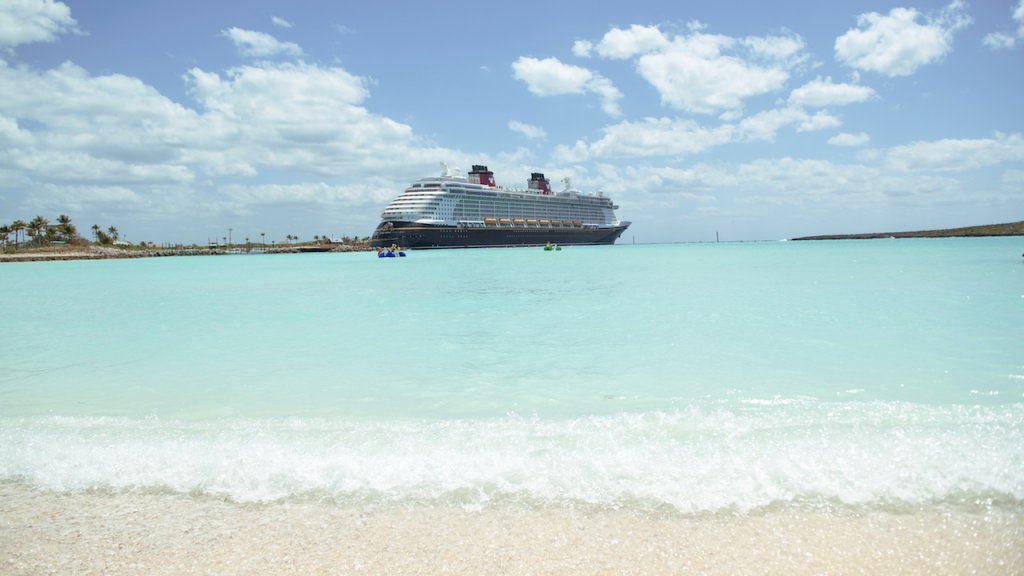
x=177, y=121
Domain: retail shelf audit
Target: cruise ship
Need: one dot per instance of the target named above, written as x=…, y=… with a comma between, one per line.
x=452, y=211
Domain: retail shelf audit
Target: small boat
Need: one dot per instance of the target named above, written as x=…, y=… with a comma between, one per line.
x=392, y=252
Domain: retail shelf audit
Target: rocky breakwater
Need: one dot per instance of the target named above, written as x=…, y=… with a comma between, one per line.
x=106, y=252
x=100, y=253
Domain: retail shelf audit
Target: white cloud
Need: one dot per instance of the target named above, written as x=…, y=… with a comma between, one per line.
x=298, y=116
x=764, y=125
x=85, y=121
x=621, y=44
x=528, y=130
x=999, y=41
x=113, y=144
x=1002, y=40
x=259, y=44
x=898, y=44
x=790, y=180
x=700, y=74
x=551, y=77
x=708, y=74
x=649, y=137
x=820, y=120
x=582, y=48
x=848, y=139
x=653, y=137
x=786, y=50
x=822, y=93
x=27, y=21
x=663, y=184
x=305, y=194
x=957, y=155
x=815, y=184
x=280, y=22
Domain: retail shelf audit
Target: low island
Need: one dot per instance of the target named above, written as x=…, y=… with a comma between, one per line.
x=1008, y=229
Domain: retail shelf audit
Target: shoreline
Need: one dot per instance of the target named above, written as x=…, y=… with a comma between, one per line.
x=172, y=533
x=107, y=253
x=1008, y=229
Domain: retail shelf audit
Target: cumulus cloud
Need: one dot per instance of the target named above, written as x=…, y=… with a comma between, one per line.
x=901, y=42
x=654, y=137
x=764, y=125
x=649, y=137
x=551, y=77
x=823, y=93
x=582, y=48
x=298, y=116
x=306, y=194
x=86, y=142
x=957, y=155
x=621, y=44
x=1002, y=40
x=84, y=119
x=705, y=73
x=27, y=21
x=693, y=74
x=848, y=139
x=259, y=44
x=280, y=22
x=528, y=130
x=785, y=50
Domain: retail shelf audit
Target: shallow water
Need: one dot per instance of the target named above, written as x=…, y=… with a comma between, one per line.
x=693, y=378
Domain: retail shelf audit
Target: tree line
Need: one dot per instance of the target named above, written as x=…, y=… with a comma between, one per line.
x=39, y=232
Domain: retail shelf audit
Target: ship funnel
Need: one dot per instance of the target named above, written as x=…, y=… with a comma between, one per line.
x=539, y=182
x=481, y=175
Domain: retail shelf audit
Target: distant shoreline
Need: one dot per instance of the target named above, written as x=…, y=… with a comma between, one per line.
x=50, y=254
x=1008, y=229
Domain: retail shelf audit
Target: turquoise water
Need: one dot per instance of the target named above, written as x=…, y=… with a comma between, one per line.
x=701, y=376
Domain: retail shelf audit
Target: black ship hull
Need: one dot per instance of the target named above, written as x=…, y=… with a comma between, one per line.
x=412, y=235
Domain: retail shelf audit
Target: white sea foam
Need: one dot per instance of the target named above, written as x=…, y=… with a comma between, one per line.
x=701, y=459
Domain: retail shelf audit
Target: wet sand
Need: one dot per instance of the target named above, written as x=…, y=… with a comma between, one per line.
x=163, y=533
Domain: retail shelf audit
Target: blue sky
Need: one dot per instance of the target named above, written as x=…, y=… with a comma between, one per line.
x=175, y=121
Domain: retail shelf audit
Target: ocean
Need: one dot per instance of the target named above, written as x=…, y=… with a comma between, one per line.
x=761, y=407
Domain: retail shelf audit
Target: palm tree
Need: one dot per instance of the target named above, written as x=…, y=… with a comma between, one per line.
x=113, y=232
x=96, y=231
x=5, y=230
x=67, y=229
x=17, y=226
x=263, y=238
x=36, y=227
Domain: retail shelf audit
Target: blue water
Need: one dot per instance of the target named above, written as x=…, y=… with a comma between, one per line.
x=702, y=376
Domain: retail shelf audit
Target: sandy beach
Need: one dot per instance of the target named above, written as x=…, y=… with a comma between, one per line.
x=164, y=533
